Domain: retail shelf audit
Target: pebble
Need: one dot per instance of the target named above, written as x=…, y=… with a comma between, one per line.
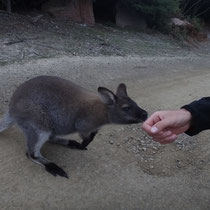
x=151, y=166
x=178, y=163
x=111, y=142
x=134, y=149
x=144, y=149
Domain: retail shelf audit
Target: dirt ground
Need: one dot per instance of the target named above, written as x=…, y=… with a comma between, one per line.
x=122, y=168
x=34, y=36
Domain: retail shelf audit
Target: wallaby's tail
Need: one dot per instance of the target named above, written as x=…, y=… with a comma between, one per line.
x=6, y=122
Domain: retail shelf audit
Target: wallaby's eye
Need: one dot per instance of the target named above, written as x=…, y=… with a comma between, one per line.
x=126, y=108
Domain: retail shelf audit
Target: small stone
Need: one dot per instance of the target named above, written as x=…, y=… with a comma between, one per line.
x=111, y=142
x=134, y=149
x=178, y=163
x=163, y=171
x=118, y=144
x=144, y=149
x=151, y=167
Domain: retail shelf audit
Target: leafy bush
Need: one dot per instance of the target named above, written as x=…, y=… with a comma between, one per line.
x=197, y=23
x=157, y=13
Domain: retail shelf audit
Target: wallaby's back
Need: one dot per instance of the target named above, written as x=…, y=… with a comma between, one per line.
x=52, y=103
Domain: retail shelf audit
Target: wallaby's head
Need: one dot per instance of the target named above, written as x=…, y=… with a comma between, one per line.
x=121, y=109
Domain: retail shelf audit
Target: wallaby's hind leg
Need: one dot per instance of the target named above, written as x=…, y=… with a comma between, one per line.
x=35, y=139
x=87, y=138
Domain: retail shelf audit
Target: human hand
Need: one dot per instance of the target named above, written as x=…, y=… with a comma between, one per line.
x=164, y=126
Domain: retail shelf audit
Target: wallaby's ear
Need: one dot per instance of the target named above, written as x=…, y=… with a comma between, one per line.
x=107, y=96
x=121, y=90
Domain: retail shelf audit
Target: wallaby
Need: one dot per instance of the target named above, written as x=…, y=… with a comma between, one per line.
x=45, y=107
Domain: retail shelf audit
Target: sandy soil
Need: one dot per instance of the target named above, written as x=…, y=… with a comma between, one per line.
x=122, y=168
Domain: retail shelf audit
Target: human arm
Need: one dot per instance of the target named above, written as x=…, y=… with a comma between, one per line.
x=164, y=126
x=200, y=111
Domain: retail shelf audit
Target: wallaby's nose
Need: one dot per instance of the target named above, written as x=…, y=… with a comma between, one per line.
x=144, y=115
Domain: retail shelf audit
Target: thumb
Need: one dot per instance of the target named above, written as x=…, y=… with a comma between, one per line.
x=159, y=126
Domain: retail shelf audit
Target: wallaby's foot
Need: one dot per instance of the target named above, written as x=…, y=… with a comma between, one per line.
x=75, y=145
x=55, y=170
x=50, y=167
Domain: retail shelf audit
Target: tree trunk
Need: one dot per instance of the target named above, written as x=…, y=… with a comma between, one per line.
x=9, y=6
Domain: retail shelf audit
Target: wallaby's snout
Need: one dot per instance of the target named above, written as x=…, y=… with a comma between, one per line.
x=142, y=115
x=133, y=113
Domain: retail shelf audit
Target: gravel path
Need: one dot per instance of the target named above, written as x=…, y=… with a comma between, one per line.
x=122, y=168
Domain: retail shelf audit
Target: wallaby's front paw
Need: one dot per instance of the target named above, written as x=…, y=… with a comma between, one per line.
x=79, y=147
x=75, y=145
x=82, y=148
x=55, y=170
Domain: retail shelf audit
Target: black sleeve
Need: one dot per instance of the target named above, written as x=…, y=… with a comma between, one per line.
x=200, y=111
